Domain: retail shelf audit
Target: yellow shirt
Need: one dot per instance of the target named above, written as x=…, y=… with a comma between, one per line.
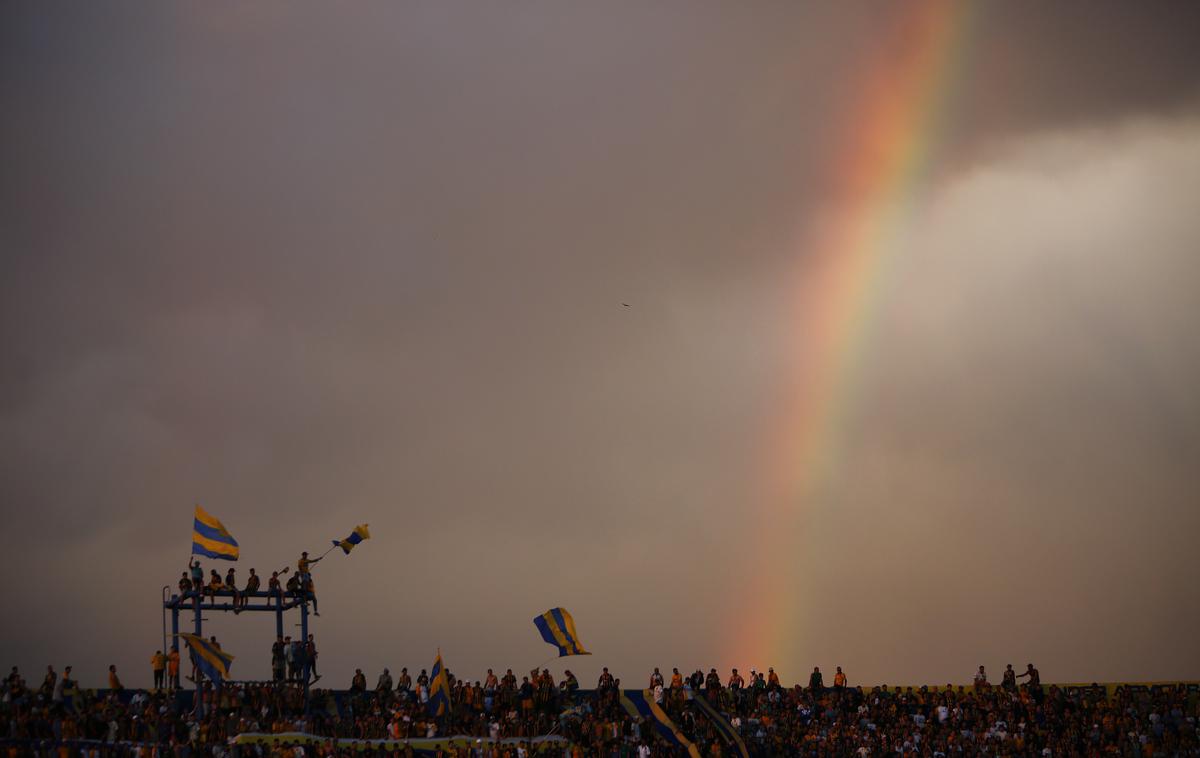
x=158, y=661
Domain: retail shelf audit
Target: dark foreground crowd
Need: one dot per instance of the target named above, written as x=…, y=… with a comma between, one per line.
x=1027, y=719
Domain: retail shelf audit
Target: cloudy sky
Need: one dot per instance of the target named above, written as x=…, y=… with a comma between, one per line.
x=312, y=267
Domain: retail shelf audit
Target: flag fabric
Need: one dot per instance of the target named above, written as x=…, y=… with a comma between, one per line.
x=640, y=704
x=211, y=539
x=359, y=534
x=439, y=689
x=212, y=661
x=558, y=629
x=721, y=724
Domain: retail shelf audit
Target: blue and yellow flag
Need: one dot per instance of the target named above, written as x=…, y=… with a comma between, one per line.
x=558, y=628
x=359, y=534
x=640, y=704
x=723, y=727
x=439, y=689
x=212, y=661
x=211, y=539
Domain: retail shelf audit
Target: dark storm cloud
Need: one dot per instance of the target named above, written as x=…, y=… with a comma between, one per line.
x=314, y=268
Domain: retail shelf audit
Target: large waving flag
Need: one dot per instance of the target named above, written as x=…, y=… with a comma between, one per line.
x=439, y=689
x=211, y=539
x=212, y=661
x=640, y=704
x=723, y=727
x=558, y=629
x=359, y=534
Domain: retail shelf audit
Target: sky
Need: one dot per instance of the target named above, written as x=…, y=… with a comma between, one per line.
x=545, y=294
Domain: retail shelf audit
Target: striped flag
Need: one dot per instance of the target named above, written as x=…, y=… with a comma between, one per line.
x=212, y=661
x=211, y=539
x=359, y=534
x=558, y=629
x=439, y=689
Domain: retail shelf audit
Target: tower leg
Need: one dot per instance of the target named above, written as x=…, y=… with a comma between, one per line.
x=304, y=641
x=199, y=676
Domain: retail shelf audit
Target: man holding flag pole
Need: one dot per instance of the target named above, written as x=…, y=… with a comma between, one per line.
x=307, y=589
x=303, y=566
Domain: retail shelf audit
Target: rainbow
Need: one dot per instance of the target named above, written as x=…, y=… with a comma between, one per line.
x=891, y=129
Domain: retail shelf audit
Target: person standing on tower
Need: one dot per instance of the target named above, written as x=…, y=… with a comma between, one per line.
x=306, y=587
x=197, y=576
x=173, y=668
x=310, y=659
x=158, y=662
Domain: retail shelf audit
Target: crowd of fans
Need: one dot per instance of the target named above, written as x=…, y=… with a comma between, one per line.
x=58, y=717
x=299, y=585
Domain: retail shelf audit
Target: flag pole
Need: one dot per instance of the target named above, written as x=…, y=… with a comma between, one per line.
x=192, y=549
x=327, y=552
x=542, y=665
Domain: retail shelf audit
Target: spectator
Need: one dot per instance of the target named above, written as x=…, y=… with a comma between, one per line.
x=605, y=682
x=158, y=663
x=289, y=655
x=981, y=680
x=310, y=592
x=215, y=585
x=274, y=589
x=656, y=678
x=815, y=683
x=60, y=689
x=1009, y=682
x=231, y=585
x=173, y=667
x=114, y=681
x=278, y=659
x=570, y=684
x=252, y=585
x=736, y=682
x=305, y=581
x=712, y=683
x=300, y=656
x=310, y=659
x=48, y=683
x=1034, y=685
x=1035, y=679
x=950, y=721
